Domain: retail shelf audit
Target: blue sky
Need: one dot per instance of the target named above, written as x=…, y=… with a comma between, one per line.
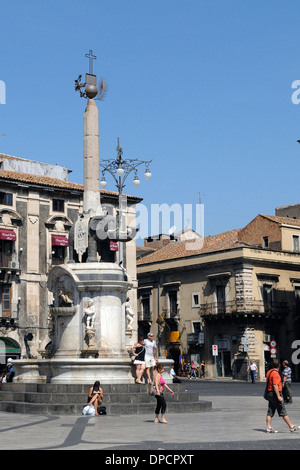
x=202, y=88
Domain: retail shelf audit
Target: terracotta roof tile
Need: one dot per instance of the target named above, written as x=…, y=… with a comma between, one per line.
x=11, y=157
x=175, y=250
x=282, y=220
x=37, y=179
x=48, y=181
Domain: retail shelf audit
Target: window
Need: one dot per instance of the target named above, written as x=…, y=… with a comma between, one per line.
x=196, y=300
x=6, y=198
x=5, y=300
x=146, y=307
x=173, y=303
x=295, y=242
x=220, y=293
x=267, y=297
x=196, y=327
x=58, y=205
x=6, y=248
x=266, y=242
x=297, y=299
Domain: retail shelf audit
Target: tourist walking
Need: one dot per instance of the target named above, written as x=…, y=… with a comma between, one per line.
x=160, y=386
x=275, y=399
x=193, y=371
x=286, y=383
x=253, y=371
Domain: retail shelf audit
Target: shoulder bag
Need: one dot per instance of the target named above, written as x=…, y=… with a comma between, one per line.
x=133, y=358
x=266, y=389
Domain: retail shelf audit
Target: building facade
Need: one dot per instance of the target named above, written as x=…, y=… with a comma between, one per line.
x=233, y=299
x=38, y=207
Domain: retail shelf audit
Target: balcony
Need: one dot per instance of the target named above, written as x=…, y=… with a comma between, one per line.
x=145, y=316
x=252, y=307
x=171, y=314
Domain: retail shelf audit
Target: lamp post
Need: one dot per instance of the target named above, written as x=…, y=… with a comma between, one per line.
x=120, y=170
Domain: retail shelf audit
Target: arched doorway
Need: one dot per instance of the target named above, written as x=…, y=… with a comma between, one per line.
x=8, y=348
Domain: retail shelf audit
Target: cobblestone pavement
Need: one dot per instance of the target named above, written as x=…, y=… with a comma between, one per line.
x=236, y=422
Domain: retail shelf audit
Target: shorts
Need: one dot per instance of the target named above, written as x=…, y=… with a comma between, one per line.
x=150, y=361
x=275, y=404
x=138, y=362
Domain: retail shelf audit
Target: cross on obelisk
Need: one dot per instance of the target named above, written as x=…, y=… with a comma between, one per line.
x=91, y=57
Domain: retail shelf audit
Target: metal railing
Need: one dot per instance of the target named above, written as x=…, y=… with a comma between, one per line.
x=145, y=316
x=243, y=307
x=170, y=313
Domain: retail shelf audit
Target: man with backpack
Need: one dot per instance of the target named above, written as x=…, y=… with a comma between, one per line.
x=275, y=399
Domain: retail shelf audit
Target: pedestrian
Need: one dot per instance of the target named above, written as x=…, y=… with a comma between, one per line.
x=150, y=355
x=10, y=372
x=275, y=399
x=202, y=368
x=286, y=383
x=2, y=378
x=173, y=375
x=253, y=371
x=138, y=351
x=95, y=396
x=160, y=385
x=193, y=371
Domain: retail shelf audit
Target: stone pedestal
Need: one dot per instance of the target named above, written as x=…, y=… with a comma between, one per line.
x=81, y=352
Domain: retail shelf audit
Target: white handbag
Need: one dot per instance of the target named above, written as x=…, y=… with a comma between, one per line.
x=89, y=410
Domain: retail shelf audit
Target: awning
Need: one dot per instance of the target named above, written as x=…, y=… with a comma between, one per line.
x=7, y=235
x=113, y=246
x=59, y=240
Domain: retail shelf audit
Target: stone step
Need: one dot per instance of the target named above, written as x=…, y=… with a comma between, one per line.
x=75, y=398
x=59, y=399
x=114, y=409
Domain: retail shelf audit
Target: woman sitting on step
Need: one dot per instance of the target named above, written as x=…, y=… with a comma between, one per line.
x=95, y=396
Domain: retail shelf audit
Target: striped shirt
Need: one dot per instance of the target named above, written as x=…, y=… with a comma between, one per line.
x=287, y=372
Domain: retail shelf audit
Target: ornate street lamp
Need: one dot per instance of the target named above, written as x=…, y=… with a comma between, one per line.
x=120, y=170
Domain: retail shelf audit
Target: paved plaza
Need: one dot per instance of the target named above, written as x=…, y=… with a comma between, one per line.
x=236, y=422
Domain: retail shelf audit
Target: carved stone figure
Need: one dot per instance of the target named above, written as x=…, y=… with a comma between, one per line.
x=129, y=314
x=65, y=291
x=63, y=299
x=90, y=314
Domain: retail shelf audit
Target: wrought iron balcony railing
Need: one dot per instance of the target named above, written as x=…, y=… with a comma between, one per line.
x=243, y=307
x=145, y=316
x=172, y=313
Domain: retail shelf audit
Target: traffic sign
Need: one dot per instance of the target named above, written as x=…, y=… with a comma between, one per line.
x=273, y=344
x=273, y=351
x=214, y=349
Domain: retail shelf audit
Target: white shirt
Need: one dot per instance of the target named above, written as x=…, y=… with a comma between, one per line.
x=149, y=346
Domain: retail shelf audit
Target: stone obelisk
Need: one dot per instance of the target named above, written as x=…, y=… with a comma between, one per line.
x=91, y=198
